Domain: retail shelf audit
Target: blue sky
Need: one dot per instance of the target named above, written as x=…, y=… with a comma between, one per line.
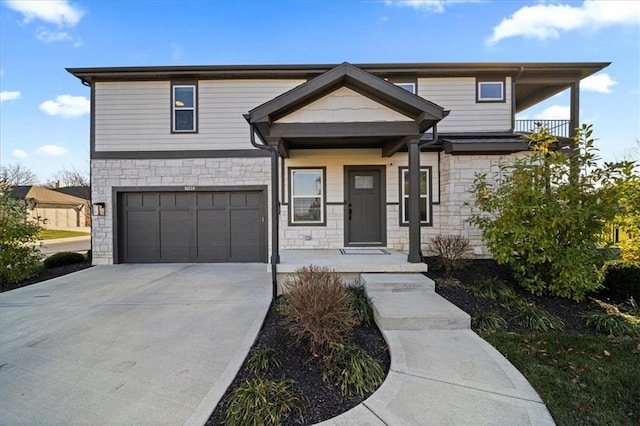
x=44, y=113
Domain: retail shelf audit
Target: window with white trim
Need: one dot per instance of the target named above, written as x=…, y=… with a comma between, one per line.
x=184, y=108
x=490, y=91
x=409, y=87
x=307, y=198
x=425, y=196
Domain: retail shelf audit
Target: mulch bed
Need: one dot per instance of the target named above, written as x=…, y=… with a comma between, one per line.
x=324, y=400
x=570, y=312
x=46, y=274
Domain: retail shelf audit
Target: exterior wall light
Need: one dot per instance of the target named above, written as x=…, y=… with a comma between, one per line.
x=99, y=209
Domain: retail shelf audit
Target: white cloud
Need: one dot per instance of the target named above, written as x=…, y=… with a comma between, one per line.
x=52, y=150
x=58, y=12
x=67, y=106
x=52, y=36
x=176, y=51
x=555, y=112
x=12, y=95
x=600, y=83
x=435, y=6
x=18, y=153
x=549, y=20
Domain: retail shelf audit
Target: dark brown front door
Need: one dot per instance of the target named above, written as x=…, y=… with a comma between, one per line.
x=364, y=212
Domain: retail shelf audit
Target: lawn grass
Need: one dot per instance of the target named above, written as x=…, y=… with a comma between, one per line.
x=583, y=380
x=49, y=234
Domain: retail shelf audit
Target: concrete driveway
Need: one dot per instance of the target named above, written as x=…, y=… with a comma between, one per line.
x=128, y=344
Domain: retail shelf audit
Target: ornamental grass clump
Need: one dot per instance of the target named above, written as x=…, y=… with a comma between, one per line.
x=319, y=310
x=263, y=402
x=351, y=369
x=262, y=359
x=361, y=308
x=488, y=321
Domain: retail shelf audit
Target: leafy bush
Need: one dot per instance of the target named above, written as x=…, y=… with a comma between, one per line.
x=614, y=324
x=451, y=251
x=621, y=279
x=488, y=321
x=280, y=304
x=362, y=310
x=63, y=258
x=531, y=316
x=491, y=288
x=19, y=252
x=545, y=213
x=628, y=219
x=262, y=359
x=262, y=402
x=319, y=310
x=353, y=370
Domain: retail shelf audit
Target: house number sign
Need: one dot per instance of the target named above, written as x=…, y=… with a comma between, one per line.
x=189, y=188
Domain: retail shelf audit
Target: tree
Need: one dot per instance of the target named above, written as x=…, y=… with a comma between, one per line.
x=69, y=178
x=17, y=175
x=19, y=254
x=547, y=213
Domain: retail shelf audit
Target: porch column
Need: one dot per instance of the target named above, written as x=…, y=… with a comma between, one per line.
x=414, y=201
x=275, y=205
x=574, y=112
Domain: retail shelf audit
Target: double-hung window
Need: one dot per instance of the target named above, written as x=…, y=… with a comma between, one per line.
x=307, y=196
x=490, y=91
x=184, y=108
x=425, y=196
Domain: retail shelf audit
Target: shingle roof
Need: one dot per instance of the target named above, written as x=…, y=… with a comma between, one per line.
x=44, y=195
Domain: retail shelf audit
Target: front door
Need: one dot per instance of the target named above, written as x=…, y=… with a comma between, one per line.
x=364, y=207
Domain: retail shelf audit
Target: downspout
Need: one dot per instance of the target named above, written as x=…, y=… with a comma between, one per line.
x=275, y=257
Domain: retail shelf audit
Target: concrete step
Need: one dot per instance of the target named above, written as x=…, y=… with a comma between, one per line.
x=416, y=310
x=397, y=282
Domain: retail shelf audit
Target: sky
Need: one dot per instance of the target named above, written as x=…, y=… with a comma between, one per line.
x=44, y=110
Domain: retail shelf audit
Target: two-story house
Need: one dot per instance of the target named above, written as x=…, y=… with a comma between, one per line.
x=238, y=163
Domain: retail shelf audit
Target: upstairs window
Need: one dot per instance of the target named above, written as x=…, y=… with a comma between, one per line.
x=425, y=196
x=184, y=108
x=307, y=198
x=409, y=87
x=490, y=91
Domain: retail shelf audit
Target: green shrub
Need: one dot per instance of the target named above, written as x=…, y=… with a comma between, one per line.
x=19, y=251
x=319, y=310
x=63, y=258
x=280, y=304
x=351, y=369
x=362, y=310
x=262, y=359
x=262, y=402
x=451, y=251
x=531, y=316
x=614, y=324
x=621, y=280
x=544, y=214
x=491, y=288
x=488, y=321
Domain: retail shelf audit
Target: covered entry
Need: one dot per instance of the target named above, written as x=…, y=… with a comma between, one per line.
x=202, y=226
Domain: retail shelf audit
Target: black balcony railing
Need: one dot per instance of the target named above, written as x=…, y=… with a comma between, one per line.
x=559, y=128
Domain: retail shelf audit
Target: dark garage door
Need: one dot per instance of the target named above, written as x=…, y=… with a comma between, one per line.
x=192, y=226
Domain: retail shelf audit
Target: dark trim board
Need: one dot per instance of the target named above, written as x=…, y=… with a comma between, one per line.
x=117, y=192
x=162, y=155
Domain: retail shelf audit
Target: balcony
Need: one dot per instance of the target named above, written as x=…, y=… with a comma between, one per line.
x=558, y=128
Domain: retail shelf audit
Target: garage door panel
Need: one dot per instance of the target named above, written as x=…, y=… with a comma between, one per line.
x=175, y=235
x=142, y=236
x=193, y=227
x=212, y=235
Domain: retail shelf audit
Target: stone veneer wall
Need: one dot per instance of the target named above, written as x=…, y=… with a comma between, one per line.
x=178, y=173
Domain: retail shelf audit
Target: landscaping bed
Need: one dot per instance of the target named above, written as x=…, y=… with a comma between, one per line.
x=46, y=274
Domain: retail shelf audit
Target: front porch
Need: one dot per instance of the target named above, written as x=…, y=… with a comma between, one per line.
x=349, y=263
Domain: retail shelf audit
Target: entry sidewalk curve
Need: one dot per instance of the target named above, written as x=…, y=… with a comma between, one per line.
x=128, y=344
x=442, y=373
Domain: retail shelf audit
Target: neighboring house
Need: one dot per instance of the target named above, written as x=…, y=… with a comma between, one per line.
x=184, y=158
x=55, y=210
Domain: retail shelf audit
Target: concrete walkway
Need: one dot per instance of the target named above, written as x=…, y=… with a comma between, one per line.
x=128, y=344
x=441, y=373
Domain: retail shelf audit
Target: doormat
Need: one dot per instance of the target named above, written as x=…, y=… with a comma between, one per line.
x=363, y=251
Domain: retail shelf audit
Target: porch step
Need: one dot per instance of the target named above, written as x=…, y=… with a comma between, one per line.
x=409, y=302
x=397, y=282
